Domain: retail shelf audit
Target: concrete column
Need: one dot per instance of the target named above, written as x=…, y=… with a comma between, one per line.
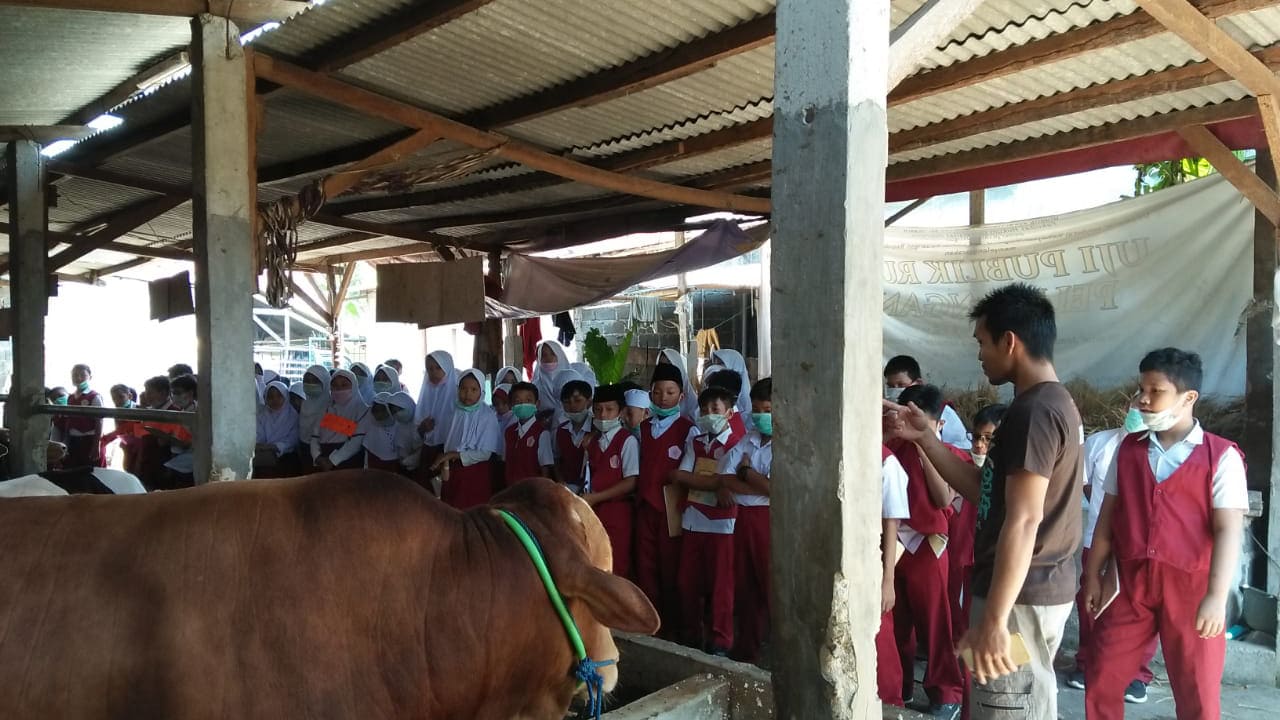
x=1260, y=346
x=29, y=295
x=223, y=204
x=829, y=157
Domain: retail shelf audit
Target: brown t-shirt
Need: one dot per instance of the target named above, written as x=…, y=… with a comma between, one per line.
x=1041, y=433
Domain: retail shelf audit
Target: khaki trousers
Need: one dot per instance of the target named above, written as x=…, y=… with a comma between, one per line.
x=1032, y=692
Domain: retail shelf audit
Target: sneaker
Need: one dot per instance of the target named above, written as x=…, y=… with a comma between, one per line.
x=1136, y=693
x=949, y=711
x=1075, y=680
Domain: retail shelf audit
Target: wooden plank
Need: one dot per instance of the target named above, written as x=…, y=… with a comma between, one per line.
x=316, y=306
x=341, y=296
x=633, y=77
x=1073, y=140
x=347, y=178
x=923, y=31
x=1054, y=48
x=406, y=250
x=1269, y=111
x=387, y=32
x=320, y=162
x=1208, y=146
x=119, y=224
x=93, y=276
x=977, y=207
x=906, y=210
x=245, y=12
x=334, y=90
x=44, y=134
x=1204, y=35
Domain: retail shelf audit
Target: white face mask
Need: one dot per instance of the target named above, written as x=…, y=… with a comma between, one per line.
x=1163, y=420
x=978, y=460
x=893, y=393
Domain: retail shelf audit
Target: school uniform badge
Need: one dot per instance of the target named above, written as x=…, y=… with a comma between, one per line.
x=615, y=462
x=673, y=452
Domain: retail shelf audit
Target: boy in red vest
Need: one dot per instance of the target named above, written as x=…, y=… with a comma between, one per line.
x=82, y=435
x=528, y=445
x=964, y=523
x=569, y=447
x=663, y=438
x=613, y=463
x=893, y=509
x=705, y=579
x=1172, y=517
x=751, y=530
x=922, y=612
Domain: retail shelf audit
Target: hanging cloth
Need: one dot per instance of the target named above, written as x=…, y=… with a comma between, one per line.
x=564, y=322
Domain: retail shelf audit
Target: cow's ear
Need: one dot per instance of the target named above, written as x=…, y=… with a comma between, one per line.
x=615, y=602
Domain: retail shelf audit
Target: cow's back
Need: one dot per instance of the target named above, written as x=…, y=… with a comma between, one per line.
x=262, y=599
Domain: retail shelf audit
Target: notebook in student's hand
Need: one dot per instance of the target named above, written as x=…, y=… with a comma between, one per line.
x=706, y=466
x=1017, y=651
x=673, y=497
x=1110, y=586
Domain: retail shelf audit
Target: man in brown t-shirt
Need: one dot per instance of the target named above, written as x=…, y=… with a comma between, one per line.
x=1024, y=578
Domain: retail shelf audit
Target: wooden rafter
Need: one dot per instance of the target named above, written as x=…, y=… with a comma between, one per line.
x=347, y=178
x=43, y=134
x=126, y=89
x=316, y=306
x=247, y=12
x=385, y=33
x=915, y=204
x=116, y=226
x=1184, y=20
x=922, y=31
x=1208, y=146
x=403, y=113
x=329, y=159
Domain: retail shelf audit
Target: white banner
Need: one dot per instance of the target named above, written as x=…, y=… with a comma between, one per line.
x=1169, y=269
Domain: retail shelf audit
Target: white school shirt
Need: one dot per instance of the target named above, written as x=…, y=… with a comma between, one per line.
x=953, y=430
x=760, y=453
x=1230, y=488
x=630, y=456
x=546, y=448
x=1099, y=453
x=893, y=490
x=693, y=520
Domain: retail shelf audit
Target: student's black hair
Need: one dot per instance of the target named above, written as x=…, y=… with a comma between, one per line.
x=54, y=392
x=180, y=369
x=715, y=393
x=989, y=415
x=160, y=383
x=128, y=391
x=186, y=383
x=257, y=368
x=628, y=386
x=1182, y=368
x=575, y=387
x=1022, y=310
x=926, y=397
x=762, y=391
x=728, y=379
x=527, y=387
x=903, y=364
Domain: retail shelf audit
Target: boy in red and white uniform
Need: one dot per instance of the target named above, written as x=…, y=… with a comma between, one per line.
x=527, y=444
x=609, y=479
x=922, y=612
x=570, y=435
x=663, y=438
x=893, y=510
x=706, y=549
x=1172, y=518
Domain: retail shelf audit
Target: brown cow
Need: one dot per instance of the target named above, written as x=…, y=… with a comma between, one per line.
x=352, y=595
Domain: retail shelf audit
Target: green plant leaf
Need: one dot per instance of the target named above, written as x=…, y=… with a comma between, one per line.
x=619, y=362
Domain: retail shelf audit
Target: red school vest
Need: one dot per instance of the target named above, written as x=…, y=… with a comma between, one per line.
x=1172, y=521
x=79, y=424
x=659, y=457
x=606, y=464
x=522, y=454
x=715, y=452
x=926, y=518
x=571, y=454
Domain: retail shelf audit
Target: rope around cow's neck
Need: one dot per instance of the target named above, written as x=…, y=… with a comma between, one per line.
x=586, y=670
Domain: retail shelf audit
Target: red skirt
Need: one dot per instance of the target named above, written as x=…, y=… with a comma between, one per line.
x=467, y=487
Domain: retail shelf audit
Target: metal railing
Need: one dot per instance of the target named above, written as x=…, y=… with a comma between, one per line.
x=138, y=414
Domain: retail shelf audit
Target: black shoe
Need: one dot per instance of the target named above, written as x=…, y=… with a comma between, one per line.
x=949, y=711
x=1136, y=693
x=1075, y=680
x=719, y=652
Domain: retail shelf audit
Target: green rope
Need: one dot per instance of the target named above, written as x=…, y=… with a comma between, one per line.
x=540, y=564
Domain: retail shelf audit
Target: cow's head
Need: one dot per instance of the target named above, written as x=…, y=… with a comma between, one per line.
x=580, y=559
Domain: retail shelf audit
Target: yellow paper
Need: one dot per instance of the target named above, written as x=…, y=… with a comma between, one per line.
x=703, y=497
x=706, y=466
x=673, y=496
x=1017, y=651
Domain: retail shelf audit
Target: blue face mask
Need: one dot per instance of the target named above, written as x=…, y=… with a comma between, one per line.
x=467, y=408
x=524, y=411
x=382, y=386
x=83, y=387
x=1133, y=421
x=763, y=422
x=60, y=400
x=663, y=413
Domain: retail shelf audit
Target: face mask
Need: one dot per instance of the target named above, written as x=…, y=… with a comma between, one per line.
x=712, y=424
x=663, y=413
x=128, y=404
x=340, y=397
x=404, y=415
x=83, y=387
x=387, y=421
x=978, y=460
x=764, y=422
x=635, y=432
x=467, y=408
x=1160, y=421
x=60, y=400
x=1133, y=421
x=605, y=426
x=312, y=390
x=382, y=386
x=524, y=411
x=181, y=401
x=893, y=393
x=550, y=367
x=577, y=418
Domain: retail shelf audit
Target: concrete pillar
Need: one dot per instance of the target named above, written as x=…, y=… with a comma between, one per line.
x=1260, y=346
x=223, y=204
x=29, y=295
x=829, y=157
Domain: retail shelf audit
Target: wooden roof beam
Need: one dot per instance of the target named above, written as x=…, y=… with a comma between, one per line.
x=385, y=33
x=923, y=31
x=241, y=12
x=333, y=90
x=343, y=180
x=1205, y=37
x=1208, y=146
x=116, y=226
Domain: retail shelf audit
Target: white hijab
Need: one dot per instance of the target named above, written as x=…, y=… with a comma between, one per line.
x=505, y=421
x=519, y=373
x=586, y=373
x=689, y=406
x=408, y=442
x=313, y=409
x=562, y=378
x=364, y=382
x=733, y=360
x=548, y=392
x=392, y=376
x=277, y=426
x=474, y=431
x=437, y=401
x=354, y=409
x=379, y=440
x=708, y=371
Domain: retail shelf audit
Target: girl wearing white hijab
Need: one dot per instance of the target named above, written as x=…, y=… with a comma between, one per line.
x=315, y=390
x=408, y=442
x=364, y=382
x=688, y=406
x=509, y=375
x=551, y=360
x=297, y=394
x=472, y=442
x=277, y=442
x=339, y=439
x=502, y=406
x=436, y=400
x=733, y=360
x=386, y=379
x=381, y=434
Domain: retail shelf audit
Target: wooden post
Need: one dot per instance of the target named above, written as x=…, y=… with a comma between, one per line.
x=1259, y=356
x=977, y=207
x=222, y=206
x=29, y=295
x=829, y=157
